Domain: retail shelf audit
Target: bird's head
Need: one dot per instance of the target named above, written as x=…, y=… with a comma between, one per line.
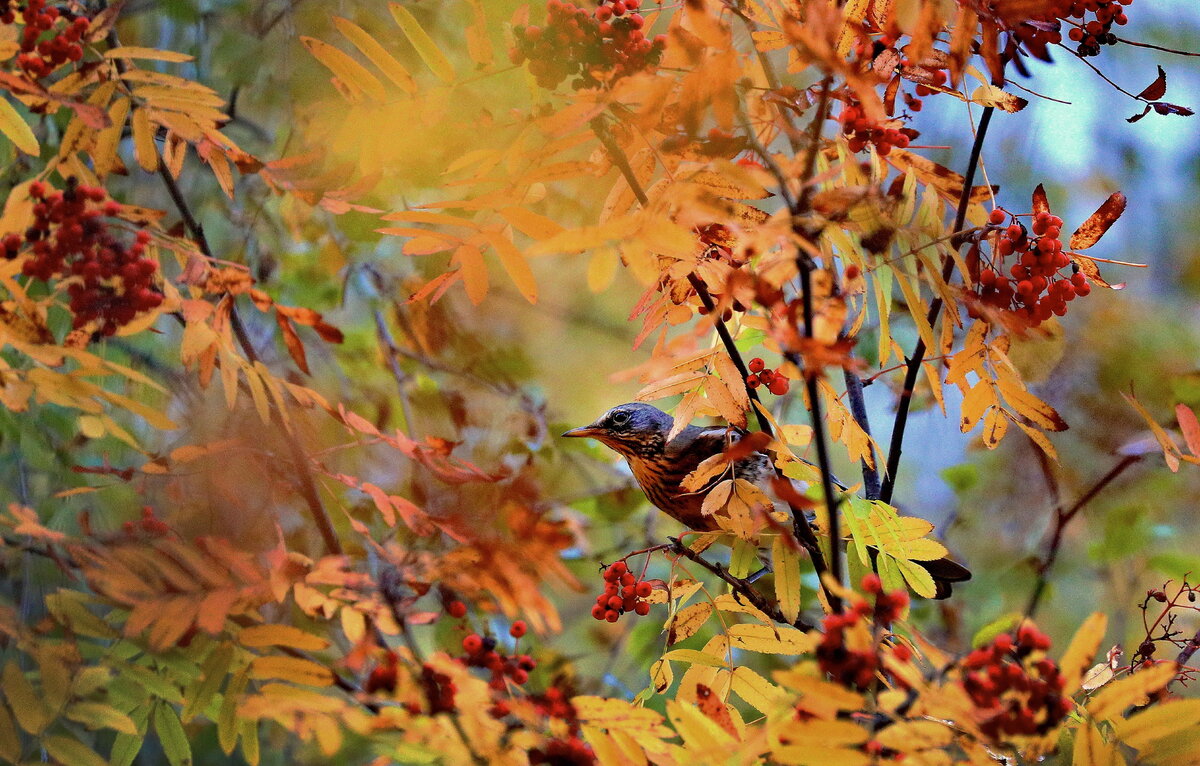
x=634, y=430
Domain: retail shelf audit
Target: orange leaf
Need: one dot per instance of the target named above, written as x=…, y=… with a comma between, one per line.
x=290, y=339
x=1190, y=427
x=1090, y=232
x=1041, y=204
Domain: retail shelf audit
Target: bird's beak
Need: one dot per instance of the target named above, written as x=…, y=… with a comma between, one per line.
x=583, y=431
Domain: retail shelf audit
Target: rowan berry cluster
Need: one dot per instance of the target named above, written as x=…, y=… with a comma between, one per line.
x=623, y=592
x=109, y=281
x=149, y=524
x=855, y=668
x=1032, y=289
x=601, y=46
x=50, y=38
x=761, y=375
x=1091, y=34
x=1016, y=690
x=570, y=751
x=383, y=676
x=862, y=130
x=480, y=652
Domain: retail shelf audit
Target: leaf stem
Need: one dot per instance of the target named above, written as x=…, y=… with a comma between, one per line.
x=738, y=585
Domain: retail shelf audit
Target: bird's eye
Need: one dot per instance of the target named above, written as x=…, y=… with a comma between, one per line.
x=620, y=418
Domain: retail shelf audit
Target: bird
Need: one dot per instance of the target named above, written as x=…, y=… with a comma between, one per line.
x=639, y=433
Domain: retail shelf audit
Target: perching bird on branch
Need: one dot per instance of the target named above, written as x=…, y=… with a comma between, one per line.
x=638, y=432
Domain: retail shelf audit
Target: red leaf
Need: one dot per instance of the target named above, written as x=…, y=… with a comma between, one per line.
x=1157, y=89
x=1040, y=203
x=1090, y=232
x=1190, y=427
x=294, y=346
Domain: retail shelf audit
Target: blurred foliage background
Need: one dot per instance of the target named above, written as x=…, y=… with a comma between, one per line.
x=506, y=377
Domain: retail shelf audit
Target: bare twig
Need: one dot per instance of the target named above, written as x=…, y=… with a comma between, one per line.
x=935, y=308
x=858, y=408
x=739, y=586
x=1063, y=517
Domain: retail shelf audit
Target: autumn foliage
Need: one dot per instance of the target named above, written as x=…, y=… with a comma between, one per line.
x=245, y=522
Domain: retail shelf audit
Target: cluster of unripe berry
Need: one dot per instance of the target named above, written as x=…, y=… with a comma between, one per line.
x=1091, y=34
x=861, y=131
x=480, y=652
x=623, y=592
x=109, y=281
x=855, y=668
x=604, y=45
x=1032, y=288
x=1014, y=693
x=761, y=375
x=51, y=37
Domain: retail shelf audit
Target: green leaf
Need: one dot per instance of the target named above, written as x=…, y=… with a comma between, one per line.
x=1002, y=624
x=745, y=553
x=98, y=715
x=172, y=736
x=201, y=691
x=17, y=130
x=66, y=749
x=227, y=731
x=427, y=49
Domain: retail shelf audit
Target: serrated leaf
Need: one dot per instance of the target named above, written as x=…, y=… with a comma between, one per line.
x=756, y=690
x=427, y=49
x=1132, y=690
x=785, y=561
x=353, y=75
x=378, y=55
x=151, y=54
x=212, y=674
x=1167, y=718
x=770, y=639
x=695, y=657
x=17, y=130
x=98, y=715
x=687, y=621
x=144, y=149
x=661, y=676
x=1090, y=232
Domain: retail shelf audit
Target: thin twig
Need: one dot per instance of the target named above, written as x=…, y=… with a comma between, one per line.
x=1063, y=517
x=739, y=586
x=935, y=308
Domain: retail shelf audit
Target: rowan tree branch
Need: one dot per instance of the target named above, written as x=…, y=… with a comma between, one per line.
x=935, y=308
x=1063, y=517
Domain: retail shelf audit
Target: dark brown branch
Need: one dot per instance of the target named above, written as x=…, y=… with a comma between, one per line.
x=1063, y=517
x=858, y=408
x=739, y=586
x=935, y=308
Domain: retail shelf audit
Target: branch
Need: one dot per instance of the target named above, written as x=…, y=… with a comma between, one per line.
x=1063, y=517
x=739, y=586
x=308, y=489
x=858, y=408
x=935, y=308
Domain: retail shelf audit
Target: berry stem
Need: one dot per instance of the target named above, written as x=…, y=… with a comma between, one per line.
x=935, y=308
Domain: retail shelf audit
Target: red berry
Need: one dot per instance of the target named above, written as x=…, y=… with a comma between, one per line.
x=517, y=630
x=472, y=644
x=643, y=589
x=757, y=365
x=456, y=609
x=996, y=217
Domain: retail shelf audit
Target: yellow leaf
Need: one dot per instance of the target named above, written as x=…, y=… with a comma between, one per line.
x=700, y=733
x=530, y=224
x=687, y=621
x=719, y=395
x=294, y=669
x=98, y=715
x=65, y=749
x=514, y=264
x=1162, y=720
x=474, y=272
x=257, y=636
x=785, y=560
x=370, y=47
x=1091, y=749
x=717, y=497
x=427, y=49
x=1081, y=650
x=352, y=74
x=695, y=657
x=1171, y=451
x=770, y=639
x=152, y=54
x=661, y=675
x=756, y=690
x=17, y=130
x=975, y=402
x=30, y=711
x=995, y=425
x=1132, y=690
x=143, y=141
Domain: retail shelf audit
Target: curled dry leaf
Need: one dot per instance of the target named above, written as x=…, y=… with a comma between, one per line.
x=1090, y=232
